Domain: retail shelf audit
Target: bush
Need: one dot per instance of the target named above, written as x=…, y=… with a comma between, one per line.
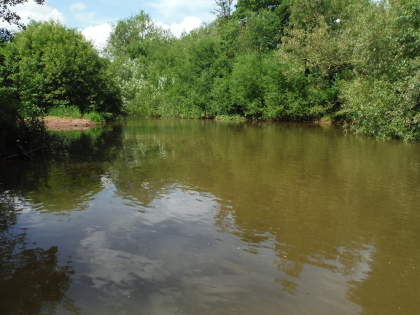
x=74, y=112
x=65, y=111
x=56, y=67
x=354, y=60
x=379, y=108
x=8, y=117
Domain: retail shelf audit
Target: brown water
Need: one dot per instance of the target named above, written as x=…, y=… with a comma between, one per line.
x=198, y=218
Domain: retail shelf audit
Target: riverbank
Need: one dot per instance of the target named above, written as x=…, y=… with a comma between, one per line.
x=67, y=124
x=33, y=137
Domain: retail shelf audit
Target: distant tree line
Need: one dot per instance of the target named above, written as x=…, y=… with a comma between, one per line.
x=350, y=61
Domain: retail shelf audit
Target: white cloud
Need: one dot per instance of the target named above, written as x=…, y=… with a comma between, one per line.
x=185, y=26
x=78, y=6
x=98, y=34
x=33, y=11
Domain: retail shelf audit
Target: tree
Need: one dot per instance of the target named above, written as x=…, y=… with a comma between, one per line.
x=281, y=7
x=223, y=8
x=253, y=5
x=51, y=66
x=383, y=100
x=133, y=37
x=138, y=49
x=349, y=60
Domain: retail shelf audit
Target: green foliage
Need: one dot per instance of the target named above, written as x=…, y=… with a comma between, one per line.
x=9, y=104
x=381, y=109
x=351, y=60
x=262, y=32
x=263, y=87
x=136, y=37
x=230, y=118
x=52, y=66
x=223, y=8
x=8, y=115
x=139, y=51
x=96, y=117
x=383, y=99
x=74, y=112
x=47, y=67
x=65, y=111
x=244, y=6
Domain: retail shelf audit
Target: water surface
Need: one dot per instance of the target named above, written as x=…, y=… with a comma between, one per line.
x=199, y=217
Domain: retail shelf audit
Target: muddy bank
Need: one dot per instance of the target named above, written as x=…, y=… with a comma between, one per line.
x=57, y=123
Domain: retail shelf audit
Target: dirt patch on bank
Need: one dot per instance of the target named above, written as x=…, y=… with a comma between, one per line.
x=57, y=123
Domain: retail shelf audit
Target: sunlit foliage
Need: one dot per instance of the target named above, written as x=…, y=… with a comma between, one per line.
x=354, y=61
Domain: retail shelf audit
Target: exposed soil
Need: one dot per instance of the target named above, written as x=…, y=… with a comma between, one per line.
x=324, y=122
x=57, y=123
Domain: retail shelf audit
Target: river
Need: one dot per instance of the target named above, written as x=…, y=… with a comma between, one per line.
x=202, y=217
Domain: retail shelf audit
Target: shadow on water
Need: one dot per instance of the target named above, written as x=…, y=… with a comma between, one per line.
x=67, y=177
x=31, y=279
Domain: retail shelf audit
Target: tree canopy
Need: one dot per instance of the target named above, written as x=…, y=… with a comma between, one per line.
x=350, y=61
x=50, y=65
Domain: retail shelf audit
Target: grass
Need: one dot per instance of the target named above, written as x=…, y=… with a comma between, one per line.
x=74, y=112
x=231, y=118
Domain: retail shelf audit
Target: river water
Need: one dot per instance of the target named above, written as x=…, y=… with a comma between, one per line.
x=199, y=217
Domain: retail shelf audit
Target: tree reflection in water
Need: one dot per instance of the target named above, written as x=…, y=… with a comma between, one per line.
x=313, y=223
x=323, y=203
x=31, y=279
x=66, y=178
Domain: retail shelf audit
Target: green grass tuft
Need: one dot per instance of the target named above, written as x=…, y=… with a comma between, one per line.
x=232, y=118
x=74, y=112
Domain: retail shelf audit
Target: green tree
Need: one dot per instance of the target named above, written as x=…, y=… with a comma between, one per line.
x=136, y=37
x=354, y=61
x=252, y=5
x=139, y=53
x=51, y=65
x=383, y=99
x=223, y=8
x=275, y=17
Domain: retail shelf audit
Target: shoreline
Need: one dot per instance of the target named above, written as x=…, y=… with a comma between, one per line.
x=55, y=123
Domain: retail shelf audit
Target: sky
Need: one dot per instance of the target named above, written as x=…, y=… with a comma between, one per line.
x=95, y=18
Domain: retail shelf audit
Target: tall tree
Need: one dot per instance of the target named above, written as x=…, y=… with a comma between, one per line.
x=252, y=5
x=223, y=8
x=132, y=37
x=52, y=65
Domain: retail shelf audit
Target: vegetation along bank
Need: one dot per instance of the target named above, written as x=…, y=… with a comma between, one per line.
x=355, y=62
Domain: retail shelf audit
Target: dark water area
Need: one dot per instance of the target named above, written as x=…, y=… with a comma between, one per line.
x=199, y=217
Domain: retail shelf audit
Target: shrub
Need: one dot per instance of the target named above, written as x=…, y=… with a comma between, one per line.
x=54, y=66
x=382, y=109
